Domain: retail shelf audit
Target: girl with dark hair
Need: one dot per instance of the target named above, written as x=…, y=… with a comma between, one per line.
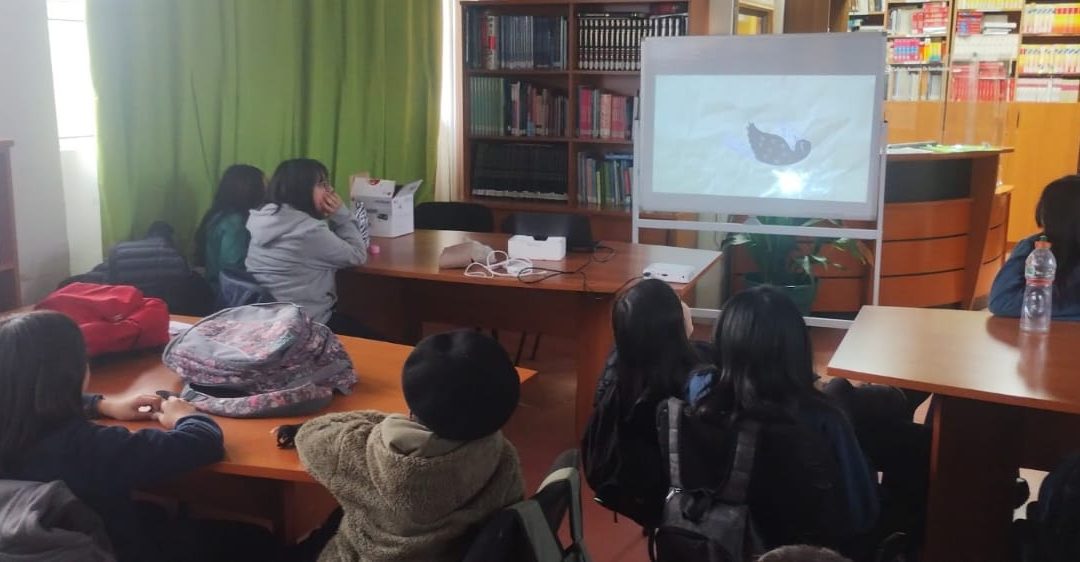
x=652, y=360
x=45, y=434
x=811, y=482
x=1058, y=214
x=302, y=237
x=221, y=241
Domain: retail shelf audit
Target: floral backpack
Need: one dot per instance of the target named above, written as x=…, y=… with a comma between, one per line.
x=258, y=361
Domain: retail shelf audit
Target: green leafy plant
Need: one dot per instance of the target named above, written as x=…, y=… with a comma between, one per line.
x=789, y=260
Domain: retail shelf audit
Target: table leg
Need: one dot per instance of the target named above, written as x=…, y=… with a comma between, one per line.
x=304, y=507
x=594, y=342
x=973, y=464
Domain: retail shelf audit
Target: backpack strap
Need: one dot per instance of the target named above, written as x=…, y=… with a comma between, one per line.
x=674, y=420
x=571, y=476
x=738, y=482
x=544, y=546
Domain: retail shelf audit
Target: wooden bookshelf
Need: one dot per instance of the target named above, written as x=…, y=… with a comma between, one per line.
x=9, y=253
x=611, y=223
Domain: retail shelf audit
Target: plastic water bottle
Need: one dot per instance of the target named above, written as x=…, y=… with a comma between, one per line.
x=1039, y=270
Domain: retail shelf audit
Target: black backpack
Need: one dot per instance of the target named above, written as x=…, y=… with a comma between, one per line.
x=705, y=524
x=624, y=468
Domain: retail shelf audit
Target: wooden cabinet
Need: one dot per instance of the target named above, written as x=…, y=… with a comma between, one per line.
x=9, y=254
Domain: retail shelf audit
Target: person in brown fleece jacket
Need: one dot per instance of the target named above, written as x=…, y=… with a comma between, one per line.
x=418, y=487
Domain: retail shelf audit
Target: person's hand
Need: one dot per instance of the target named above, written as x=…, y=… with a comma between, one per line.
x=132, y=408
x=172, y=410
x=329, y=203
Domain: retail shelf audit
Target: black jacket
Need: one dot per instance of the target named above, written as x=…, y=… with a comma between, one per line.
x=103, y=465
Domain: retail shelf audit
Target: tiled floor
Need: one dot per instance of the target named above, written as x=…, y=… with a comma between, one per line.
x=542, y=427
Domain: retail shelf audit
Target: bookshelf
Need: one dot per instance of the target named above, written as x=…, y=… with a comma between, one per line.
x=566, y=99
x=9, y=256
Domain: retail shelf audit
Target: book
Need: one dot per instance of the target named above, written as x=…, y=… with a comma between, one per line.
x=1049, y=59
x=605, y=116
x=605, y=180
x=611, y=40
x=507, y=107
x=520, y=171
x=514, y=42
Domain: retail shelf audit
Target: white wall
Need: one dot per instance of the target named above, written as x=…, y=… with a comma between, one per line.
x=28, y=116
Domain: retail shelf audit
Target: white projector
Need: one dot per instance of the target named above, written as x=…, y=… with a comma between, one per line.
x=552, y=248
x=670, y=272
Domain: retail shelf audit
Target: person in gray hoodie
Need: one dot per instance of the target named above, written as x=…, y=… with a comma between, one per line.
x=418, y=487
x=302, y=237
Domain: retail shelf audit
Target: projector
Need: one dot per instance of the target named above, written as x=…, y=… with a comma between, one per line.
x=670, y=272
x=550, y=248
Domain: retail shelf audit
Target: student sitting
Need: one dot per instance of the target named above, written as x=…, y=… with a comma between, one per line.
x=302, y=237
x=810, y=483
x=417, y=487
x=652, y=360
x=45, y=436
x=221, y=241
x=1058, y=214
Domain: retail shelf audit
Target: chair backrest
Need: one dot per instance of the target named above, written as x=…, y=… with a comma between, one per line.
x=237, y=287
x=575, y=228
x=528, y=531
x=466, y=217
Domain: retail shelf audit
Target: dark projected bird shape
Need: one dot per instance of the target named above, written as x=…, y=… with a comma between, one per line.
x=774, y=149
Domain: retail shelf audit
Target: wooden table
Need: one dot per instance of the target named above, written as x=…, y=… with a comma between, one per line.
x=256, y=478
x=403, y=286
x=1004, y=399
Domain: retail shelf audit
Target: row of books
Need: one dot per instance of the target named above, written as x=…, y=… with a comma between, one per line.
x=1047, y=90
x=910, y=50
x=612, y=40
x=916, y=84
x=866, y=6
x=602, y=115
x=983, y=81
x=931, y=18
x=986, y=47
x=496, y=42
x=979, y=23
x=1049, y=59
x=990, y=5
x=605, y=180
x=1052, y=18
x=507, y=107
x=520, y=171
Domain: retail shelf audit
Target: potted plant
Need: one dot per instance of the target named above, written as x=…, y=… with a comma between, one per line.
x=788, y=262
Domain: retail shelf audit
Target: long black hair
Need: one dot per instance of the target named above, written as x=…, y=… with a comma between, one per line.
x=42, y=369
x=653, y=351
x=242, y=188
x=1058, y=214
x=763, y=354
x=293, y=184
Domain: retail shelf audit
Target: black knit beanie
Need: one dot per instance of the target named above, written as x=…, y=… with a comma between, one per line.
x=461, y=385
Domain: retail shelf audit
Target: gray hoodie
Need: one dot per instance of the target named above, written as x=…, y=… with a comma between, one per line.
x=408, y=495
x=294, y=255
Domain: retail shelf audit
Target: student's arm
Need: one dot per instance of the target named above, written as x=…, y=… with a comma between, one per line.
x=323, y=441
x=149, y=456
x=235, y=239
x=339, y=246
x=1007, y=292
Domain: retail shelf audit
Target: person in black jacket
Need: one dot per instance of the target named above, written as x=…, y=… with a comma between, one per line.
x=45, y=434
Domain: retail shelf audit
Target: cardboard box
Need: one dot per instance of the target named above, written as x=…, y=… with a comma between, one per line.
x=389, y=206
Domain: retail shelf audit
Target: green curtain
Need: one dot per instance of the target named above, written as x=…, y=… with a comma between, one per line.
x=186, y=88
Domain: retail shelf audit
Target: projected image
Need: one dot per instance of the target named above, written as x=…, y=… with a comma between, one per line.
x=791, y=137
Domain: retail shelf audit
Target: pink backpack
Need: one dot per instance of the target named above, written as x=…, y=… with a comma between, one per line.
x=260, y=360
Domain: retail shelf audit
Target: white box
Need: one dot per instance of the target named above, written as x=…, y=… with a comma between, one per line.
x=670, y=272
x=389, y=207
x=552, y=248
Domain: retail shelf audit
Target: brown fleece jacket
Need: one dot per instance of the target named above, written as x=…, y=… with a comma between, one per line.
x=406, y=493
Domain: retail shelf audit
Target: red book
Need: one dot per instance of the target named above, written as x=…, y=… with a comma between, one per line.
x=618, y=117
x=605, y=116
x=584, y=111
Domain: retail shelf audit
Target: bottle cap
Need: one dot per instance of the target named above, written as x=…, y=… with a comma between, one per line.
x=1042, y=243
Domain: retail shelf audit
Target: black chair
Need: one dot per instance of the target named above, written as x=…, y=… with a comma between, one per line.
x=528, y=531
x=576, y=230
x=465, y=217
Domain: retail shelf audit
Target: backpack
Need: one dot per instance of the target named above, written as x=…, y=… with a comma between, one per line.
x=705, y=524
x=112, y=318
x=158, y=269
x=45, y=522
x=624, y=469
x=1052, y=531
x=260, y=360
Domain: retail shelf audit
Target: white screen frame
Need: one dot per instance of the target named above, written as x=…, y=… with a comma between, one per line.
x=859, y=54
